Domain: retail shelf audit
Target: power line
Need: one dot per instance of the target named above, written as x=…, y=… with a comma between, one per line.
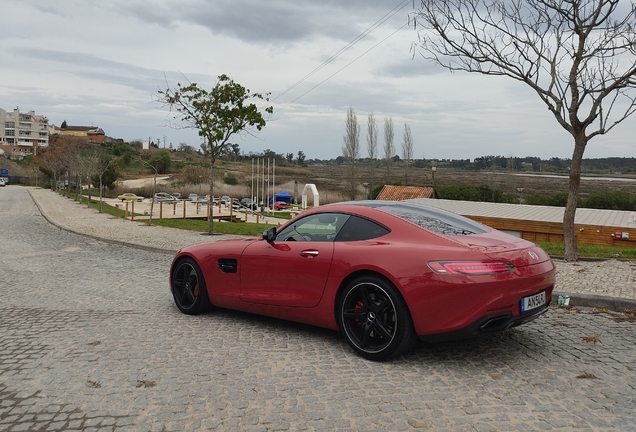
x=344, y=67
x=361, y=36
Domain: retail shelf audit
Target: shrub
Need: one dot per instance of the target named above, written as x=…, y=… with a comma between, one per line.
x=230, y=180
x=615, y=200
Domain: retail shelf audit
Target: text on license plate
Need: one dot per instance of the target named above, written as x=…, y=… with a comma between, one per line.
x=533, y=301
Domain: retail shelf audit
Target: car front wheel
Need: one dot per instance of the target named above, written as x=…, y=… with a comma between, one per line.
x=374, y=319
x=189, y=289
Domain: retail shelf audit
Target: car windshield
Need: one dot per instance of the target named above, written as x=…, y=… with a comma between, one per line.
x=431, y=218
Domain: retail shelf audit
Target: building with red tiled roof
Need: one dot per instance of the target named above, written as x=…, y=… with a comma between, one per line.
x=401, y=193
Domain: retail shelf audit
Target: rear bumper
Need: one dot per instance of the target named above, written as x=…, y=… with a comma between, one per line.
x=488, y=324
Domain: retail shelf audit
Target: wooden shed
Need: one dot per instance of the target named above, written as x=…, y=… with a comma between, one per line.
x=544, y=223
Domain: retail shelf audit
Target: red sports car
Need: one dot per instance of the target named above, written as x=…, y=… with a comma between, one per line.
x=384, y=273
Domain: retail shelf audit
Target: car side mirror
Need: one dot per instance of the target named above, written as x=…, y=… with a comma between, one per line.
x=269, y=234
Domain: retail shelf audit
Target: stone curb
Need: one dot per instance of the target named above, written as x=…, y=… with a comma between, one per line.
x=596, y=301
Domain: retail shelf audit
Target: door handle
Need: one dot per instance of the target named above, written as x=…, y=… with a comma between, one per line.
x=309, y=253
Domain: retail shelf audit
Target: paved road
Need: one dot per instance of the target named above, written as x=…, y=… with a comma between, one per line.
x=90, y=340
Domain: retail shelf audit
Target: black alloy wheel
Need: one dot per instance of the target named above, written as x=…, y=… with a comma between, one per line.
x=188, y=288
x=374, y=319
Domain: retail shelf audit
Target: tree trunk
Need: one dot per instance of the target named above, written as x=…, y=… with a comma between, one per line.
x=89, y=191
x=211, y=226
x=569, y=234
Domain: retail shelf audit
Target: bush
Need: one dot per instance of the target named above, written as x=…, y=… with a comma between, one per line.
x=615, y=200
x=230, y=180
x=473, y=193
x=555, y=200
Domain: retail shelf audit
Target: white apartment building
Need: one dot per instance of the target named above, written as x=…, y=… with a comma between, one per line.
x=22, y=133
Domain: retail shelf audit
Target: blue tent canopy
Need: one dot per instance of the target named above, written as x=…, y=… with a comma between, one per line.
x=282, y=196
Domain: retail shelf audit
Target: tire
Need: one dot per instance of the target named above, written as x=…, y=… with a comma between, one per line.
x=374, y=319
x=188, y=288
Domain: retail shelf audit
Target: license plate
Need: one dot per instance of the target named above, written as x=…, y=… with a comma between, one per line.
x=532, y=302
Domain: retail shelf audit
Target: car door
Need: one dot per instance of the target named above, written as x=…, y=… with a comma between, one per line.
x=293, y=269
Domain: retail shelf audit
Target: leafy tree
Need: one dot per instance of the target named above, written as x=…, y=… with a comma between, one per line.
x=301, y=157
x=160, y=161
x=217, y=114
x=64, y=125
x=290, y=157
x=185, y=148
x=577, y=55
x=136, y=145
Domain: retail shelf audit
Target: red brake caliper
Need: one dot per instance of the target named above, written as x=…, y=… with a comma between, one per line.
x=358, y=308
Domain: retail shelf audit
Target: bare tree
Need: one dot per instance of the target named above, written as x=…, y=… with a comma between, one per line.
x=407, y=151
x=372, y=148
x=389, y=148
x=351, y=150
x=579, y=56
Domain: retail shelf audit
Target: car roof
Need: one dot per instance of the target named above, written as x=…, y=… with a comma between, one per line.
x=431, y=218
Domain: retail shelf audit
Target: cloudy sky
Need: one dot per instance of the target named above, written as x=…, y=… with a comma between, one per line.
x=101, y=63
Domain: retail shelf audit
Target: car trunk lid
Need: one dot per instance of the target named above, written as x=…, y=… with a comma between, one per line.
x=501, y=246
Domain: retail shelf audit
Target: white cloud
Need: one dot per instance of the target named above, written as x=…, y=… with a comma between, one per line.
x=99, y=63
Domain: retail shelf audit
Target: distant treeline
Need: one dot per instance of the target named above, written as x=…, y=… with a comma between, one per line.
x=615, y=200
x=511, y=163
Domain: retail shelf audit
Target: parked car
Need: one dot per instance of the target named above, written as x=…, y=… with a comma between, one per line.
x=382, y=272
x=225, y=200
x=193, y=197
x=2, y=183
x=163, y=197
x=206, y=199
x=248, y=203
x=176, y=196
x=130, y=197
x=279, y=205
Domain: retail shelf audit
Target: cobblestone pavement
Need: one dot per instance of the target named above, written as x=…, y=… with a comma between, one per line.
x=90, y=340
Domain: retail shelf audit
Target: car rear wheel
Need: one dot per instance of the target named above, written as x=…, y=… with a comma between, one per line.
x=189, y=289
x=374, y=319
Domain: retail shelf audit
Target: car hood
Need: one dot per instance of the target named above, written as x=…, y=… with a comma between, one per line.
x=501, y=246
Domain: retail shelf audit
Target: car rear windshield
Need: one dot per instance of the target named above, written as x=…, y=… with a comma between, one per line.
x=433, y=219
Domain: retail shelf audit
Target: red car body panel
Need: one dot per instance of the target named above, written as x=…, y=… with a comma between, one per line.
x=300, y=281
x=285, y=273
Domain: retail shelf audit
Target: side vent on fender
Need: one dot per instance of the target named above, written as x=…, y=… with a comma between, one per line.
x=227, y=265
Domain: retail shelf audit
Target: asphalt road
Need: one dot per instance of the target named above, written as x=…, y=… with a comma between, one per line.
x=90, y=340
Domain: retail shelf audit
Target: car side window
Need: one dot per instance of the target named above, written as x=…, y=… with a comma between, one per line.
x=358, y=228
x=316, y=227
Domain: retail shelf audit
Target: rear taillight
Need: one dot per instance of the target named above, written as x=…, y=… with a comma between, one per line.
x=470, y=267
